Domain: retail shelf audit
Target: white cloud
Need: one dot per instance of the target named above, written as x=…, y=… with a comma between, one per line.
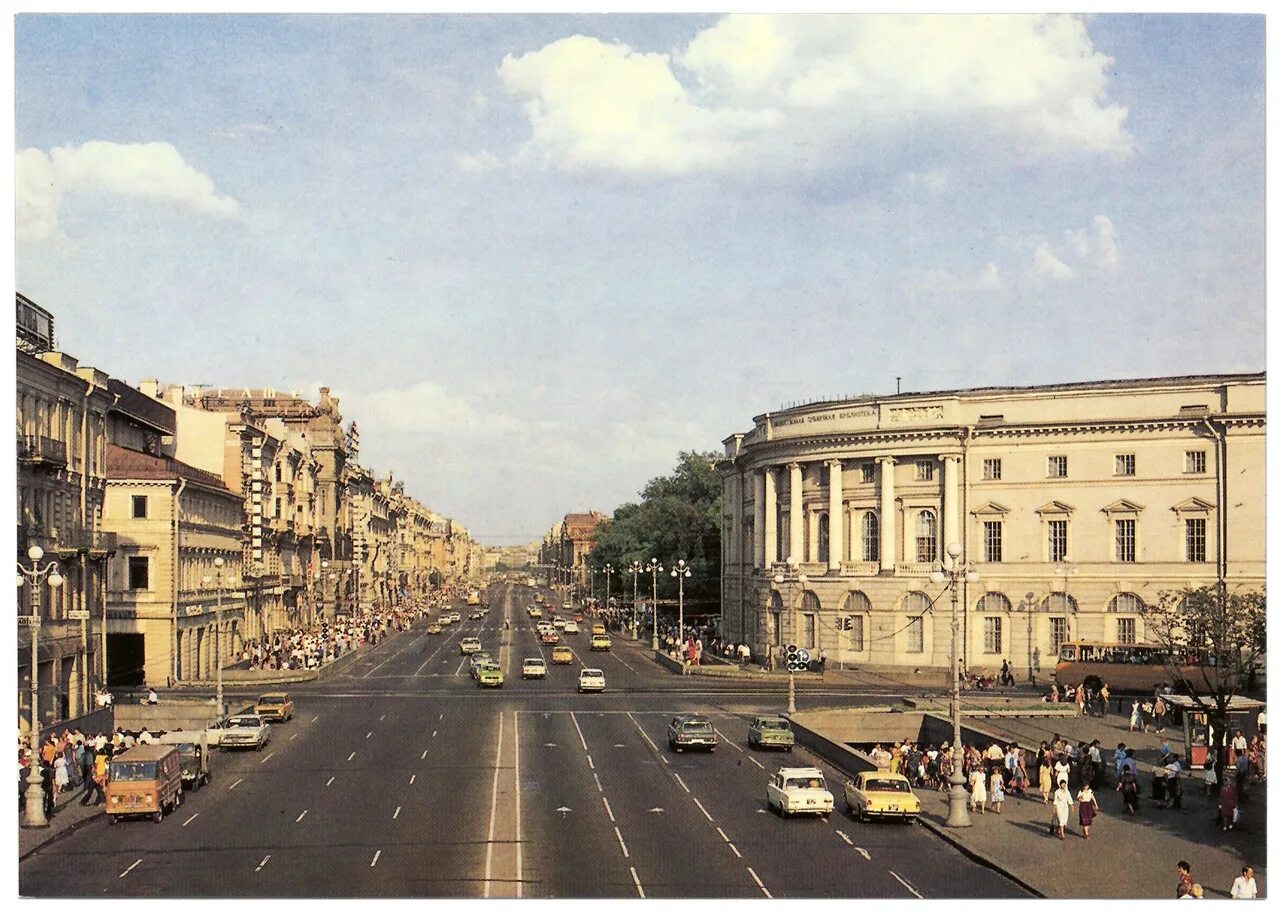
x=752, y=89
x=478, y=162
x=942, y=282
x=1097, y=244
x=154, y=171
x=1046, y=267
x=424, y=408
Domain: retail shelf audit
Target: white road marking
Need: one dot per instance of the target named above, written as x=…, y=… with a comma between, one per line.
x=865, y=854
x=397, y=813
x=519, y=838
x=331, y=779
x=735, y=851
x=300, y=817
x=265, y=860
x=493, y=811
x=703, y=810
x=128, y=870
x=625, y=854
x=904, y=883
x=192, y=818
x=681, y=782
x=598, y=786
x=636, y=879
x=381, y=718
x=266, y=759
x=721, y=832
x=424, y=755
x=591, y=763
x=377, y=667
x=757, y=763
x=605, y=799
x=235, y=784
x=314, y=718
x=433, y=733
x=350, y=756
x=758, y=882
x=728, y=741
x=375, y=859
x=292, y=737
x=581, y=737
x=368, y=735
x=441, y=716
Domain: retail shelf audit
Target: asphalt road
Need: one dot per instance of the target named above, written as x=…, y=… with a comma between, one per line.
x=401, y=778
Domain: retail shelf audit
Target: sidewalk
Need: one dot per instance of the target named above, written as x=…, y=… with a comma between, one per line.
x=68, y=815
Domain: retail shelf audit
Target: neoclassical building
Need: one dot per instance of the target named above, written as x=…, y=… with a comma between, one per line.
x=1074, y=503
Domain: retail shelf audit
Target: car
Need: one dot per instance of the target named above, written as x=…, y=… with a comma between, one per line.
x=489, y=676
x=550, y=637
x=435, y=628
x=535, y=613
x=562, y=655
x=881, y=794
x=558, y=624
x=799, y=791
x=476, y=614
x=478, y=659
x=576, y=616
x=534, y=667
x=245, y=730
x=568, y=606
x=571, y=627
x=195, y=766
x=275, y=706
x=591, y=680
x=770, y=732
x=469, y=645
x=601, y=642
x=598, y=628
x=687, y=731
x=446, y=620
x=455, y=617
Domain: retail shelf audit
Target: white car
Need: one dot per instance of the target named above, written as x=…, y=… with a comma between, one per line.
x=246, y=730
x=558, y=624
x=455, y=617
x=534, y=667
x=591, y=680
x=799, y=791
x=470, y=645
x=571, y=627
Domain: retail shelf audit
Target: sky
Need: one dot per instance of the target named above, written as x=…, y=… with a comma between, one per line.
x=536, y=257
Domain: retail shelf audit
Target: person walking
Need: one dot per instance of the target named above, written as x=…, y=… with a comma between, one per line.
x=1184, y=879
x=997, y=790
x=1104, y=697
x=1160, y=712
x=1158, y=792
x=1173, y=782
x=1244, y=887
x=1088, y=808
x=1210, y=774
x=1046, y=777
x=1061, y=808
x=1227, y=807
x=1135, y=716
x=977, y=790
x=1129, y=790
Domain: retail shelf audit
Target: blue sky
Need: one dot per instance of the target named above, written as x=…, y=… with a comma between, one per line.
x=536, y=256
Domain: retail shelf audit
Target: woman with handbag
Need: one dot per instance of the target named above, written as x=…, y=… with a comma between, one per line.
x=1088, y=808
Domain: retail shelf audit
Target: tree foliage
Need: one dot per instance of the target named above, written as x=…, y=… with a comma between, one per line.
x=678, y=516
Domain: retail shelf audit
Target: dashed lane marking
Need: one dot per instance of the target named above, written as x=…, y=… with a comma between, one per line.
x=192, y=818
x=865, y=854
x=703, y=810
x=591, y=763
x=292, y=737
x=730, y=742
x=235, y=784
x=331, y=779
x=265, y=860
x=681, y=782
x=759, y=883
x=493, y=811
x=757, y=763
x=433, y=733
x=735, y=851
x=424, y=755
x=369, y=735
x=128, y=870
x=598, y=786
x=381, y=718
x=636, y=879
x=515, y=723
x=350, y=756
x=581, y=737
x=314, y=718
x=721, y=832
x=635, y=723
x=412, y=777
x=300, y=817
x=396, y=814
x=906, y=884
x=375, y=859
x=608, y=809
x=266, y=759
x=622, y=843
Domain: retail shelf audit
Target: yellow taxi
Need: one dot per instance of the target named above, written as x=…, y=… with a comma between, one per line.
x=601, y=642
x=880, y=794
x=598, y=629
x=562, y=655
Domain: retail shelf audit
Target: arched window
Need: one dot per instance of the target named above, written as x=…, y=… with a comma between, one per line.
x=855, y=602
x=809, y=602
x=824, y=538
x=1126, y=603
x=853, y=620
x=994, y=602
x=926, y=537
x=1060, y=607
x=1059, y=604
x=870, y=536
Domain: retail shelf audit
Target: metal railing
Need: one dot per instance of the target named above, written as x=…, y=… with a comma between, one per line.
x=36, y=448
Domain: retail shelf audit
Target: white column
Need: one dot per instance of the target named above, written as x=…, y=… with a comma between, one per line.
x=757, y=545
x=835, y=515
x=888, y=534
x=795, y=551
x=770, y=517
x=811, y=519
x=950, y=502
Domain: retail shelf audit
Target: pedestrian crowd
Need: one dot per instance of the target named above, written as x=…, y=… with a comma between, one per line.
x=73, y=760
x=321, y=643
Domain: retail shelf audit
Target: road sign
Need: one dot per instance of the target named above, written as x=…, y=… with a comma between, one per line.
x=78, y=614
x=28, y=621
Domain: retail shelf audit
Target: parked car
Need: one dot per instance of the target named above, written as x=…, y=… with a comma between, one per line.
x=591, y=680
x=880, y=794
x=246, y=730
x=770, y=732
x=799, y=791
x=276, y=706
x=533, y=667
x=688, y=731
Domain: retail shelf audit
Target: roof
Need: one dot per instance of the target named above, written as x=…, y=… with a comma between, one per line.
x=132, y=464
x=153, y=752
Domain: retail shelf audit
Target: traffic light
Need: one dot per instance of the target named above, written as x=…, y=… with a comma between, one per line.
x=839, y=624
x=793, y=658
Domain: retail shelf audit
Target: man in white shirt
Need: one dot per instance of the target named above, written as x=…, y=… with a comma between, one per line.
x=1244, y=887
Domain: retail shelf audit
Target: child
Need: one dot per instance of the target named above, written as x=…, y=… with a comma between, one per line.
x=997, y=790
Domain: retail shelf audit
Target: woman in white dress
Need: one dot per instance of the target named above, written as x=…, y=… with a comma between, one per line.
x=1061, y=808
x=978, y=787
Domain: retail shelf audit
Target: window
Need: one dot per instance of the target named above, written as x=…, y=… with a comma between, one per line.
x=1194, y=462
x=854, y=633
x=993, y=540
x=926, y=537
x=139, y=507
x=1196, y=548
x=1125, y=464
x=777, y=629
x=1127, y=630
x=1058, y=634
x=139, y=573
x=991, y=639
x=924, y=470
x=810, y=631
x=1057, y=467
x=779, y=536
x=1126, y=603
x=1057, y=540
x=868, y=472
x=915, y=634
x=1126, y=540
x=991, y=470
x=824, y=538
x=870, y=536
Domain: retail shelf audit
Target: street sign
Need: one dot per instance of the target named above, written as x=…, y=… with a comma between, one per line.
x=78, y=614
x=28, y=621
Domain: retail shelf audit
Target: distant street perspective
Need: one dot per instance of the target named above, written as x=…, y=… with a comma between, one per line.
x=778, y=457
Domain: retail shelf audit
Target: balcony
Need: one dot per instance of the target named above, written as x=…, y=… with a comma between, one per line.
x=94, y=543
x=38, y=450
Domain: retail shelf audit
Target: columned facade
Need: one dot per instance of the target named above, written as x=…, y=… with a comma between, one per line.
x=1076, y=503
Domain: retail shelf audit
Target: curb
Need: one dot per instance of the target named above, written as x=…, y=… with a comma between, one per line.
x=55, y=836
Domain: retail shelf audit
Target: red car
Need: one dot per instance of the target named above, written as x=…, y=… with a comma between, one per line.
x=577, y=616
x=550, y=637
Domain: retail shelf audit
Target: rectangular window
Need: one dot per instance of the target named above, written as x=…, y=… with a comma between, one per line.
x=1196, y=547
x=871, y=538
x=1057, y=467
x=991, y=639
x=1058, y=634
x=915, y=634
x=868, y=472
x=853, y=625
x=991, y=470
x=1126, y=540
x=1195, y=461
x=777, y=629
x=810, y=631
x=924, y=470
x=139, y=573
x=1126, y=464
x=993, y=540
x=1127, y=630
x=139, y=507
x=926, y=549
x=1057, y=540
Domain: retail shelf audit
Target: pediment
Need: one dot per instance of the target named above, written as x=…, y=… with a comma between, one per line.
x=1055, y=507
x=1123, y=506
x=1192, y=506
x=991, y=508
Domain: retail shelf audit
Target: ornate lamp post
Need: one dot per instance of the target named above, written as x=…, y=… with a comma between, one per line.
x=216, y=580
x=654, y=569
x=681, y=572
x=952, y=571
x=1029, y=606
x=33, y=809
x=636, y=568
x=801, y=581
x=608, y=580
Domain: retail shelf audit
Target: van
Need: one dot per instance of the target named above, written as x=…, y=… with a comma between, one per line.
x=144, y=780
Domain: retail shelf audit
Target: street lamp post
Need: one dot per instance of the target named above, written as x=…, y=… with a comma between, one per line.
x=681, y=572
x=636, y=568
x=216, y=579
x=654, y=569
x=801, y=581
x=33, y=808
x=608, y=580
x=1029, y=604
x=952, y=571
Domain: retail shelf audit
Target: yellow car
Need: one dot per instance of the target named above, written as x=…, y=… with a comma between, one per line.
x=601, y=642
x=562, y=655
x=276, y=706
x=881, y=794
x=434, y=628
x=535, y=613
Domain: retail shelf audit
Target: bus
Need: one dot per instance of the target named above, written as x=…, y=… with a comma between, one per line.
x=473, y=598
x=1129, y=668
